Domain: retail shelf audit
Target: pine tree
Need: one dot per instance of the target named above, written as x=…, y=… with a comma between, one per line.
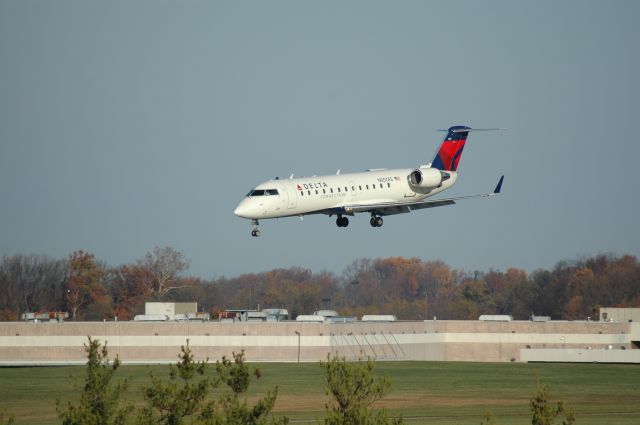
x=99, y=400
x=182, y=396
x=9, y=421
x=353, y=388
x=230, y=409
x=489, y=419
x=545, y=413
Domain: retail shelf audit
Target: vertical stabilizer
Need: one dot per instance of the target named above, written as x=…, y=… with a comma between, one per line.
x=450, y=151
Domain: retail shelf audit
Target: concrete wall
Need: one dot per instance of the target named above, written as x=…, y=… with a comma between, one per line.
x=580, y=356
x=50, y=343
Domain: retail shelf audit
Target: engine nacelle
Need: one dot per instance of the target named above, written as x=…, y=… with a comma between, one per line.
x=426, y=179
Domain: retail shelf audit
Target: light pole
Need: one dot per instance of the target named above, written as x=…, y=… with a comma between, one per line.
x=426, y=305
x=298, y=333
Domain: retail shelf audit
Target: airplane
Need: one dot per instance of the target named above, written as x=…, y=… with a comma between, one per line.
x=379, y=192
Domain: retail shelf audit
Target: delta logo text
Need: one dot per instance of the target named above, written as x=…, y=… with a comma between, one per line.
x=316, y=185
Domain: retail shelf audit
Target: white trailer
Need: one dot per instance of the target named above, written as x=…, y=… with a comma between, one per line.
x=314, y=318
x=379, y=318
x=495, y=318
x=151, y=318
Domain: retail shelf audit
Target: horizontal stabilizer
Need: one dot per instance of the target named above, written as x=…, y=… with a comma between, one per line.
x=468, y=130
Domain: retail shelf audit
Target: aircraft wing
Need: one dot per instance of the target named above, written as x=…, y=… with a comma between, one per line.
x=391, y=208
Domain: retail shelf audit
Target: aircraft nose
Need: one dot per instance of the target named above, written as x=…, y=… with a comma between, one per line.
x=242, y=209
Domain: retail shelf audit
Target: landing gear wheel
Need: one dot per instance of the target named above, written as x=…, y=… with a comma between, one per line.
x=342, y=221
x=379, y=221
x=372, y=222
x=255, y=232
x=376, y=221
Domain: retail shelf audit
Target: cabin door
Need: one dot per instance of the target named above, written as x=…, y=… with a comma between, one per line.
x=293, y=195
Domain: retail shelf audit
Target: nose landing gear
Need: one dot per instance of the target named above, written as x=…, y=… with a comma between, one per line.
x=256, y=231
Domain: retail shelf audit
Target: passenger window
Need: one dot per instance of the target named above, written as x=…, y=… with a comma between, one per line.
x=316, y=191
x=388, y=184
x=346, y=189
x=338, y=189
x=331, y=190
x=367, y=186
x=353, y=188
x=360, y=187
x=308, y=192
x=324, y=191
x=301, y=193
x=374, y=185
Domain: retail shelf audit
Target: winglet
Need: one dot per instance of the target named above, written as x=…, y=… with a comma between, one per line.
x=499, y=185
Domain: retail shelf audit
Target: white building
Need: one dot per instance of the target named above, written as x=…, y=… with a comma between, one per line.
x=171, y=310
x=619, y=314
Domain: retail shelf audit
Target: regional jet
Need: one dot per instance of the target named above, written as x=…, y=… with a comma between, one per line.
x=378, y=192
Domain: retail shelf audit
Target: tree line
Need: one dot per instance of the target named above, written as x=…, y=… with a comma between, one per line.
x=410, y=288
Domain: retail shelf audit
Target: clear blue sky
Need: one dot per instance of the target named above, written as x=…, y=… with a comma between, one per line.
x=126, y=125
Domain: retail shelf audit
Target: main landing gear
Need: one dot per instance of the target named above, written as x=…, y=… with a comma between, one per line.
x=376, y=221
x=342, y=221
x=255, y=232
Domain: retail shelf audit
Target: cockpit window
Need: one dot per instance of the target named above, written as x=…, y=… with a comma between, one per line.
x=262, y=192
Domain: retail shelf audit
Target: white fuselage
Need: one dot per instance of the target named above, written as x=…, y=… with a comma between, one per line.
x=337, y=192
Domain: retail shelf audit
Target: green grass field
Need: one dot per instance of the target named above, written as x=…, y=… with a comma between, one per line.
x=423, y=392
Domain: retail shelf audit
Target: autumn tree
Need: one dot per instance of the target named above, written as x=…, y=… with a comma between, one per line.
x=353, y=388
x=471, y=299
x=398, y=275
x=296, y=289
x=362, y=286
x=30, y=283
x=85, y=283
x=161, y=270
x=621, y=279
x=128, y=289
x=99, y=398
x=551, y=294
x=439, y=282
